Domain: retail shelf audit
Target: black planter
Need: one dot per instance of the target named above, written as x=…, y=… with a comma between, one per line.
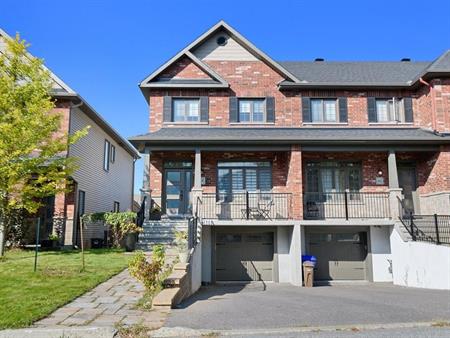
x=49, y=244
x=155, y=216
x=130, y=242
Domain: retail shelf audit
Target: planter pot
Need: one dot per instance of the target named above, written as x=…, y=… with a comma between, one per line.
x=155, y=216
x=130, y=242
x=49, y=244
x=183, y=256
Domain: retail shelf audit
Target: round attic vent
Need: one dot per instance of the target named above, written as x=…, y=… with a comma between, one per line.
x=221, y=40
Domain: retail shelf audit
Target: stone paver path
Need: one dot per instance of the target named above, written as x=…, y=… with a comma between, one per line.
x=109, y=303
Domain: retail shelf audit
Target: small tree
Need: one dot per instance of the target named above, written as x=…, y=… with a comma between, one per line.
x=33, y=164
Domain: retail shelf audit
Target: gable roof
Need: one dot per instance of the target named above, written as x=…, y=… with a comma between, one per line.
x=216, y=79
x=441, y=64
x=187, y=51
x=61, y=90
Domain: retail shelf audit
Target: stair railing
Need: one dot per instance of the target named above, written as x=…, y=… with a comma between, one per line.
x=140, y=215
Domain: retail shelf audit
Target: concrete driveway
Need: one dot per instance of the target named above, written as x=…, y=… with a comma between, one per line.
x=255, y=306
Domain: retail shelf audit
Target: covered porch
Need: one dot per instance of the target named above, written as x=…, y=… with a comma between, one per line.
x=226, y=183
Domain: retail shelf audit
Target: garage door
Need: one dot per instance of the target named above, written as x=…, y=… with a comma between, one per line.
x=340, y=255
x=244, y=256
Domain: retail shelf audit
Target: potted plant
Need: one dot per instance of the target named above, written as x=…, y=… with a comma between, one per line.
x=181, y=238
x=155, y=212
x=51, y=242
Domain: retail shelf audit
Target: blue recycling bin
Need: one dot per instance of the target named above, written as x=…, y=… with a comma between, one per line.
x=309, y=258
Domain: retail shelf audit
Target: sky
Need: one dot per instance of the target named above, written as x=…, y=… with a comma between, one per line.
x=104, y=48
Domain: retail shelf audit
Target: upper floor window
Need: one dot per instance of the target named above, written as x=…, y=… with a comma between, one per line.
x=389, y=110
x=186, y=110
x=324, y=110
x=251, y=110
x=113, y=153
x=106, y=155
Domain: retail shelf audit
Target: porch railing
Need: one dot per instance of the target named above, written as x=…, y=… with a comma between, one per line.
x=246, y=206
x=346, y=205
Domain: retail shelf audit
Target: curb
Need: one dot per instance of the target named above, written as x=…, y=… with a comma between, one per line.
x=56, y=332
x=167, y=332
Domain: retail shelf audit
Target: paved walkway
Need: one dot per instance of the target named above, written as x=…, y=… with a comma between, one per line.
x=111, y=302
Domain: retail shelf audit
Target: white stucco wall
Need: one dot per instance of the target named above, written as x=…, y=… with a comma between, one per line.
x=381, y=253
x=295, y=252
x=284, y=260
x=419, y=264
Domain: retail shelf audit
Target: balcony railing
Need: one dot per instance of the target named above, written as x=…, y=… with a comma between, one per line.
x=346, y=205
x=246, y=206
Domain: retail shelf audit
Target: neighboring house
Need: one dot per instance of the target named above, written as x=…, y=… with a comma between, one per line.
x=280, y=159
x=105, y=174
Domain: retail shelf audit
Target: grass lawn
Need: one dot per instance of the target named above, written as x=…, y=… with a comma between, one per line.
x=26, y=296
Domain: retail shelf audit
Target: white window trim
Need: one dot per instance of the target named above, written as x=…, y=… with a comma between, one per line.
x=252, y=101
x=186, y=112
x=323, y=115
x=106, y=155
x=398, y=119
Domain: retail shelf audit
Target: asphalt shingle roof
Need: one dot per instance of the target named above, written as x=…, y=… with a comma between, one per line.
x=210, y=135
x=356, y=73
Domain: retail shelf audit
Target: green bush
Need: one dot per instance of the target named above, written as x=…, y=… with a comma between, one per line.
x=159, y=253
x=146, y=272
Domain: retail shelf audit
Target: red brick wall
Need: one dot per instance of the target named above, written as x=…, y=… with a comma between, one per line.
x=256, y=79
x=184, y=68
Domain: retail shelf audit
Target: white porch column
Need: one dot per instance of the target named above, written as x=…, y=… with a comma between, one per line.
x=395, y=192
x=146, y=191
x=197, y=189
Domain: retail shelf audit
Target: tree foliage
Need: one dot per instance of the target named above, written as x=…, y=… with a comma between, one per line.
x=33, y=162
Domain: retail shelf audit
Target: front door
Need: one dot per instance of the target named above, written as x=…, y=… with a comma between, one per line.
x=178, y=184
x=407, y=181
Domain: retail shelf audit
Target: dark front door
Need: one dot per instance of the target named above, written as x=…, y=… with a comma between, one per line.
x=407, y=181
x=178, y=184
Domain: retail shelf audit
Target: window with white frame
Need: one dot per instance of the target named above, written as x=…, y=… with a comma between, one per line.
x=106, y=155
x=252, y=110
x=113, y=153
x=186, y=110
x=116, y=206
x=390, y=110
x=324, y=110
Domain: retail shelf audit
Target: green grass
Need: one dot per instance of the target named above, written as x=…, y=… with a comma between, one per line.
x=27, y=296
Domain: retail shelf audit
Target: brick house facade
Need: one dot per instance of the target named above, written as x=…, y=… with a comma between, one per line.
x=386, y=136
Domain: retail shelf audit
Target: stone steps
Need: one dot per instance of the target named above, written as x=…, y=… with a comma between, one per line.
x=160, y=232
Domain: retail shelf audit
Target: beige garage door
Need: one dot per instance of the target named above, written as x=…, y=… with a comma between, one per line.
x=244, y=256
x=341, y=255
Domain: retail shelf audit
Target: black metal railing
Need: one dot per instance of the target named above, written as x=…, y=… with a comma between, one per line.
x=246, y=205
x=346, y=205
x=428, y=228
x=425, y=228
x=140, y=215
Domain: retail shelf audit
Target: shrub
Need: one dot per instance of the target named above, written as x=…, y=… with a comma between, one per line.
x=181, y=238
x=159, y=253
x=145, y=272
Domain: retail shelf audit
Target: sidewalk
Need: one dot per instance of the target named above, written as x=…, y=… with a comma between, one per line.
x=110, y=303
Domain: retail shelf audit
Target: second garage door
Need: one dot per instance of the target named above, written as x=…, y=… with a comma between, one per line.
x=341, y=254
x=244, y=256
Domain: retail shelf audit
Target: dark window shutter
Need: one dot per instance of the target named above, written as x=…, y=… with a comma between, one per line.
x=343, y=115
x=306, y=109
x=233, y=109
x=270, y=109
x=204, y=109
x=372, y=109
x=408, y=105
x=167, y=109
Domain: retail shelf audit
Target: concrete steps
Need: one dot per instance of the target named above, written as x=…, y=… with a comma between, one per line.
x=160, y=232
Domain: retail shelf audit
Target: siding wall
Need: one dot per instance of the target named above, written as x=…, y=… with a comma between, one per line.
x=102, y=188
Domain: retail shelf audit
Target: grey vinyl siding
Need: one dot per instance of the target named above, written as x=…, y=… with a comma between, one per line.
x=102, y=187
x=210, y=50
